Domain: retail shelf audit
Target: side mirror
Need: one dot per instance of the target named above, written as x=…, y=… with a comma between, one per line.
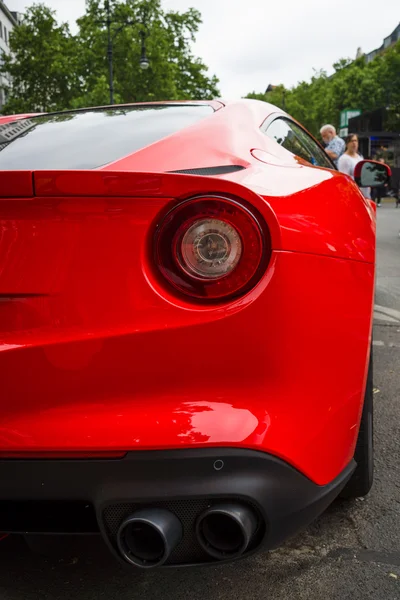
x=370, y=173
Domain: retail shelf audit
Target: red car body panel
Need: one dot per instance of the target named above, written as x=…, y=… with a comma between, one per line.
x=98, y=354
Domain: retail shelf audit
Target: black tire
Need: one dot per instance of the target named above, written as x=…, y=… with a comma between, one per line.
x=361, y=481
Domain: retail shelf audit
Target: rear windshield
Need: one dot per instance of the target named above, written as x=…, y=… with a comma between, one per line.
x=91, y=138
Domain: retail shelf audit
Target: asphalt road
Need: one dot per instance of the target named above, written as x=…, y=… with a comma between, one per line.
x=351, y=552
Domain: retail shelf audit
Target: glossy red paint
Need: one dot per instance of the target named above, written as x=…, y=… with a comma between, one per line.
x=16, y=184
x=219, y=381
x=114, y=360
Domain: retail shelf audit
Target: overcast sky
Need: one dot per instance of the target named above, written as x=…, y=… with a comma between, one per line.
x=251, y=43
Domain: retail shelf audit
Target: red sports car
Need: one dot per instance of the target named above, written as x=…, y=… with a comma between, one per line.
x=186, y=300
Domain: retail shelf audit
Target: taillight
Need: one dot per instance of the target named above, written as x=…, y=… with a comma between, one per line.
x=212, y=248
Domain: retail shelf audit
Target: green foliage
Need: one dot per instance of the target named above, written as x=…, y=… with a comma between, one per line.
x=52, y=69
x=41, y=64
x=354, y=84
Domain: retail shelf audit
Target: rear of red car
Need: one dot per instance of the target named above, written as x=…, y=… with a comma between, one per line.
x=169, y=343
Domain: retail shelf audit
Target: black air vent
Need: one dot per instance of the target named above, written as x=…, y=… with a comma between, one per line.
x=11, y=130
x=210, y=171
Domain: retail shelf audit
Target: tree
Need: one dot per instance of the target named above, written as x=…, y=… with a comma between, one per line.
x=174, y=73
x=52, y=70
x=41, y=64
x=354, y=84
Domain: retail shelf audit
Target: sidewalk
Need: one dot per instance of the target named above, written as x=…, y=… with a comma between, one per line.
x=388, y=200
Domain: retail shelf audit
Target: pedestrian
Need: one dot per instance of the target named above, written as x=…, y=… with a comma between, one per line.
x=350, y=158
x=379, y=191
x=334, y=145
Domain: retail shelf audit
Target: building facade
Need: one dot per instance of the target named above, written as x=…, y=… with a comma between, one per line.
x=389, y=41
x=8, y=20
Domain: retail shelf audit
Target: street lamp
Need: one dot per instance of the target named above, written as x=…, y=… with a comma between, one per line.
x=144, y=62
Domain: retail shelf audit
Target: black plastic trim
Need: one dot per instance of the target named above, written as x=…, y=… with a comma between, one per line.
x=286, y=500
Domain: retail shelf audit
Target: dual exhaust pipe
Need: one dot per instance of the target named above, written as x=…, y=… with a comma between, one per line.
x=147, y=538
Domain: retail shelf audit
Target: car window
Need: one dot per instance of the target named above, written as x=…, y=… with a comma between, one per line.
x=298, y=142
x=91, y=138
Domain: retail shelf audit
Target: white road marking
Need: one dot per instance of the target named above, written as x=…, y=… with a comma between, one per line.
x=390, y=312
x=384, y=318
x=378, y=343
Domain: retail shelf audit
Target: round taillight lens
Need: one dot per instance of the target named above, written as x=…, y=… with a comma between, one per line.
x=212, y=248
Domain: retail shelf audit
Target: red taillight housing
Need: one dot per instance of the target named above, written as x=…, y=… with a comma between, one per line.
x=212, y=248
